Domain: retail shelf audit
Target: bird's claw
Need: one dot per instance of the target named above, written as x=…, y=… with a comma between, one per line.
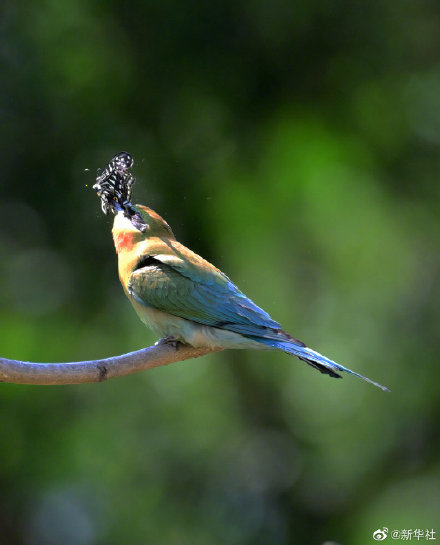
x=170, y=341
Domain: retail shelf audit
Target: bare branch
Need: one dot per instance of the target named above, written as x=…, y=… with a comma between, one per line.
x=163, y=353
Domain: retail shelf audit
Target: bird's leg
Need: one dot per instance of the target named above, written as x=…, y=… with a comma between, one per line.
x=170, y=340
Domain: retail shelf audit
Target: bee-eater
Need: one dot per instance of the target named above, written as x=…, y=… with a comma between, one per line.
x=180, y=295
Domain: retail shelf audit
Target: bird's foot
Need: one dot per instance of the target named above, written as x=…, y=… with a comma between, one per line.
x=170, y=341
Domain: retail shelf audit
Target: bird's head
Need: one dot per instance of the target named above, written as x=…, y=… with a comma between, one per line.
x=143, y=224
x=132, y=224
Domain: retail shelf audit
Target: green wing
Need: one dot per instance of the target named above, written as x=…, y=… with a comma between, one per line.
x=198, y=293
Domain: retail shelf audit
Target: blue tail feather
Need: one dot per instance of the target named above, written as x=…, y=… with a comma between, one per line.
x=316, y=360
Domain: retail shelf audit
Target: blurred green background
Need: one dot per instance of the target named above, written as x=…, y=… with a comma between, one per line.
x=296, y=146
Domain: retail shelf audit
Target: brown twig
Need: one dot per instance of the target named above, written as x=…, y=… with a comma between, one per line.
x=162, y=353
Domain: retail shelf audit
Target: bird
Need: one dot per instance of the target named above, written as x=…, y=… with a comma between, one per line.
x=184, y=298
x=181, y=296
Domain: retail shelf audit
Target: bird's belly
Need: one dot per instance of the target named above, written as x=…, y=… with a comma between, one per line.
x=192, y=333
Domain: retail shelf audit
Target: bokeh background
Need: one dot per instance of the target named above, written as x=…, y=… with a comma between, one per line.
x=296, y=146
